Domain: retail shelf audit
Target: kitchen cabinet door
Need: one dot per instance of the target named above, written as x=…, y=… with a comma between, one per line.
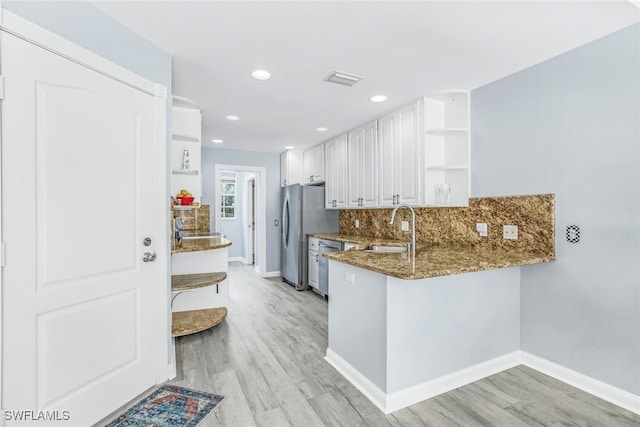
x=314, y=165
x=362, y=160
x=313, y=271
x=318, y=163
x=335, y=171
x=290, y=167
x=284, y=169
x=399, y=173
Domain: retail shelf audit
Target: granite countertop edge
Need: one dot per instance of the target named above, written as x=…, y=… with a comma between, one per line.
x=199, y=247
x=431, y=260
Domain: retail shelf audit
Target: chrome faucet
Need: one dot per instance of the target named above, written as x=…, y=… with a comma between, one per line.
x=413, y=226
x=177, y=227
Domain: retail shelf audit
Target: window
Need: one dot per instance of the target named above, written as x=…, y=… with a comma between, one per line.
x=228, y=195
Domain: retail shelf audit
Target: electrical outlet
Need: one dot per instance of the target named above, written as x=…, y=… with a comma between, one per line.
x=510, y=232
x=404, y=226
x=481, y=228
x=357, y=223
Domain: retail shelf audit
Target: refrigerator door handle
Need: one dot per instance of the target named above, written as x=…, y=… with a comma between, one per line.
x=285, y=222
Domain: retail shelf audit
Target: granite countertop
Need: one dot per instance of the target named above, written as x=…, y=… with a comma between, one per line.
x=201, y=244
x=432, y=260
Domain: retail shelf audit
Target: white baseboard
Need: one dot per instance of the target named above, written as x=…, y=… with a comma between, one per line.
x=171, y=371
x=369, y=389
x=392, y=402
x=428, y=389
x=237, y=259
x=271, y=274
x=622, y=398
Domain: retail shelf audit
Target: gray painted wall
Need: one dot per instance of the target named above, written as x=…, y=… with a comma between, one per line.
x=271, y=162
x=83, y=24
x=571, y=126
x=441, y=325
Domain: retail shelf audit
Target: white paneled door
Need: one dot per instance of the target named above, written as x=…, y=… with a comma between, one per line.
x=80, y=313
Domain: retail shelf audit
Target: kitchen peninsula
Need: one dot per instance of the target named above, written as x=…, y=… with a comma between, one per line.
x=403, y=330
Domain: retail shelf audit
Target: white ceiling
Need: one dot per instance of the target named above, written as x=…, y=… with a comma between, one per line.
x=402, y=49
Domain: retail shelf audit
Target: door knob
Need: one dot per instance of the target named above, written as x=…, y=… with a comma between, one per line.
x=149, y=257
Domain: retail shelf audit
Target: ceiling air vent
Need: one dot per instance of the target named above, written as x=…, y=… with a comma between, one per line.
x=343, y=78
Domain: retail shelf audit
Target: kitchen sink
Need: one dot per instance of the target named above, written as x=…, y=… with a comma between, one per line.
x=386, y=249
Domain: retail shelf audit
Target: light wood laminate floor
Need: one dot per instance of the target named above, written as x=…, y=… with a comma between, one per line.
x=267, y=359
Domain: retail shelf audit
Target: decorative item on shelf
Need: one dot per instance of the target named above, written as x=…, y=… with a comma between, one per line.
x=185, y=160
x=443, y=191
x=184, y=198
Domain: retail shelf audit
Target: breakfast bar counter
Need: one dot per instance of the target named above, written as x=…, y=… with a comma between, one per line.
x=438, y=260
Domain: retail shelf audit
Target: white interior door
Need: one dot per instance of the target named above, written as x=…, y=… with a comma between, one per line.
x=250, y=234
x=79, y=320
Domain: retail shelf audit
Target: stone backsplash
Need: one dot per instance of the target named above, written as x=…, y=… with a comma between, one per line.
x=195, y=220
x=534, y=215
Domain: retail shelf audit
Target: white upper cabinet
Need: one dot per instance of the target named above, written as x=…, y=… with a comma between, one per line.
x=186, y=148
x=446, y=133
x=335, y=172
x=417, y=155
x=399, y=165
x=290, y=167
x=314, y=165
x=362, y=171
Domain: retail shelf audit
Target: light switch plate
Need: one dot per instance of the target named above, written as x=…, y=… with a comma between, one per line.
x=357, y=223
x=510, y=232
x=481, y=228
x=404, y=226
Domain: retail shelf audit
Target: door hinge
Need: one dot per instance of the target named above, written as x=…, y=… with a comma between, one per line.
x=1, y=87
x=2, y=253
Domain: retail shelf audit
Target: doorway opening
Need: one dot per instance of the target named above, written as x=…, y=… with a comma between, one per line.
x=240, y=212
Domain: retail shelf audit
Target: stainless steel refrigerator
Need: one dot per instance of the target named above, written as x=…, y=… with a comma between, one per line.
x=303, y=213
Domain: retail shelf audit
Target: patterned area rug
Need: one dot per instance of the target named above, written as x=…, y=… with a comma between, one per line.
x=169, y=406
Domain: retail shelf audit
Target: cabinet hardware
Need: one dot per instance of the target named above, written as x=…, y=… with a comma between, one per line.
x=146, y=241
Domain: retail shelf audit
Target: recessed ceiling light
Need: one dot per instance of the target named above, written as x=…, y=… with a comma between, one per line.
x=289, y=147
x=378, y=98
x=261, y=75
x=322, y=129
x=216, y=141
x=232, y=118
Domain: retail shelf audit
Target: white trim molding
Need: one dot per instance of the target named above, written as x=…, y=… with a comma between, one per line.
x=611, y=394
x=392, y=402
x=428, y=389
x=362, y=383
x=261, y=208
x=26, y=30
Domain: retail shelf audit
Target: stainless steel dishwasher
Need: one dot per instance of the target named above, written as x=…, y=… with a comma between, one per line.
x=325, y=246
